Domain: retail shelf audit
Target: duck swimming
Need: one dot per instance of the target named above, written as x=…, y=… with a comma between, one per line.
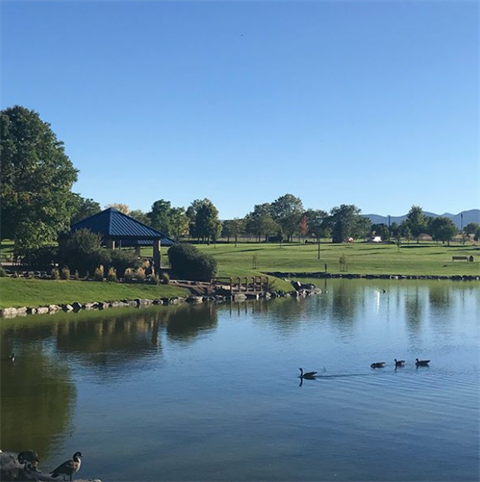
x=11, y=357
x=377, y=365
x=69, y=467
x=399, y=363
x=421, y=363
x=308, y=375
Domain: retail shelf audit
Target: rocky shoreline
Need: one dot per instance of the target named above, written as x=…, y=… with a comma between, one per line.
x=301, y=290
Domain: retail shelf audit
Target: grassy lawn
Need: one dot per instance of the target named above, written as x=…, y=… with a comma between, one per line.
x=362, y=258
x=30, y=292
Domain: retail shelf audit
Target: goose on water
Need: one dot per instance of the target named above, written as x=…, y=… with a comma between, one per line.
x=421, y=363
x=69, y=467
x=309, y=375
x=377, y=365
x=399, y=363
x=29, y=459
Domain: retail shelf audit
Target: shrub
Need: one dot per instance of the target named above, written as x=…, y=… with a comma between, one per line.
x=65, y=273
x=99, y=273
x=43, y=258
x=140, y=274
x=128, y=275
x=165, y=278
x=121, y=260
x=112, y=274
x=3, y=273
x=154, y=279
x=188, y=263
x=343, y=263
x=55, y=274
x=84, y=251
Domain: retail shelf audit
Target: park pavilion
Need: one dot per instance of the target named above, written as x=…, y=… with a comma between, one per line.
x=120, y=230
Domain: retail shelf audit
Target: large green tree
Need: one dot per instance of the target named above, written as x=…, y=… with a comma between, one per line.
x=36, y=178
x=84, y=208
x=317, y=221
x=443, y=229
x=287, y=211
x=204, y=222
x=160, y=216
x=260, y=222
x=416, y=222
x=179, y=222
x=346, y=221
x=233, y=228
x=140, y=216
x=471, y=228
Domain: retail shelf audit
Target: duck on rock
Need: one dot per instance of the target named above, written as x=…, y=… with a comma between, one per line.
x=69, y=467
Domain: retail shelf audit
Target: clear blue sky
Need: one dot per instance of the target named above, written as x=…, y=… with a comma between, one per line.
x=367, y=103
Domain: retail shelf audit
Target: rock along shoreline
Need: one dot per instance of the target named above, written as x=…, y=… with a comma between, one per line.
x=301, y=290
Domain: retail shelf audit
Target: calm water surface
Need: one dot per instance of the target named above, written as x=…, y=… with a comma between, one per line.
x=211, y=392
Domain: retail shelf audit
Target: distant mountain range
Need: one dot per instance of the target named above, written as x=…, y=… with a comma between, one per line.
x=470, y=216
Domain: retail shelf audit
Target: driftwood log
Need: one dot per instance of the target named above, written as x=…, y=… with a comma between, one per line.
x=11, y=469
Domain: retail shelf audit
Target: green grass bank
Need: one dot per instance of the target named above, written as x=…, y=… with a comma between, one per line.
x=16, y=292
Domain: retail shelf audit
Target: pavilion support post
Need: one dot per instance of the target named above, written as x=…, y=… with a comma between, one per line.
x=110, y=243
x=157, y=257
x=138, y=251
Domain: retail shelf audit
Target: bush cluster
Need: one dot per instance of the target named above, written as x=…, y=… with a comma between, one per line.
x=188, y=262
x=84, y=253
x=42, y=258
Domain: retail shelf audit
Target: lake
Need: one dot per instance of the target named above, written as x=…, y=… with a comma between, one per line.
x=211, y=392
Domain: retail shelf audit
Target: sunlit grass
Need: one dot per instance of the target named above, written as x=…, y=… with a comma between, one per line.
x=33, y=292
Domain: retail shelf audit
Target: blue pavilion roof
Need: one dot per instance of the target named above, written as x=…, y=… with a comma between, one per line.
x=113, y=224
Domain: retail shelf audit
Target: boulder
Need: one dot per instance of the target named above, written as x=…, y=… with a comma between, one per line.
x=10, y=468
x=67, y=307
x=77, y=306
x=9, y=312
x=194, y=299
x=239, y=297
x=297, y=285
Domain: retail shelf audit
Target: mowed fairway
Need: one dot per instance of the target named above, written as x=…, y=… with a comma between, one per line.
x=361, y=258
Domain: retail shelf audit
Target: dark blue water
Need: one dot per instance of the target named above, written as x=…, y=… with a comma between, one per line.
x=212, y=392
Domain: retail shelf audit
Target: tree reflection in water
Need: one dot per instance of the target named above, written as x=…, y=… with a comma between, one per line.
x=38, y=398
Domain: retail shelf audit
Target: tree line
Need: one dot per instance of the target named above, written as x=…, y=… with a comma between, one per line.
x=37, y=202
